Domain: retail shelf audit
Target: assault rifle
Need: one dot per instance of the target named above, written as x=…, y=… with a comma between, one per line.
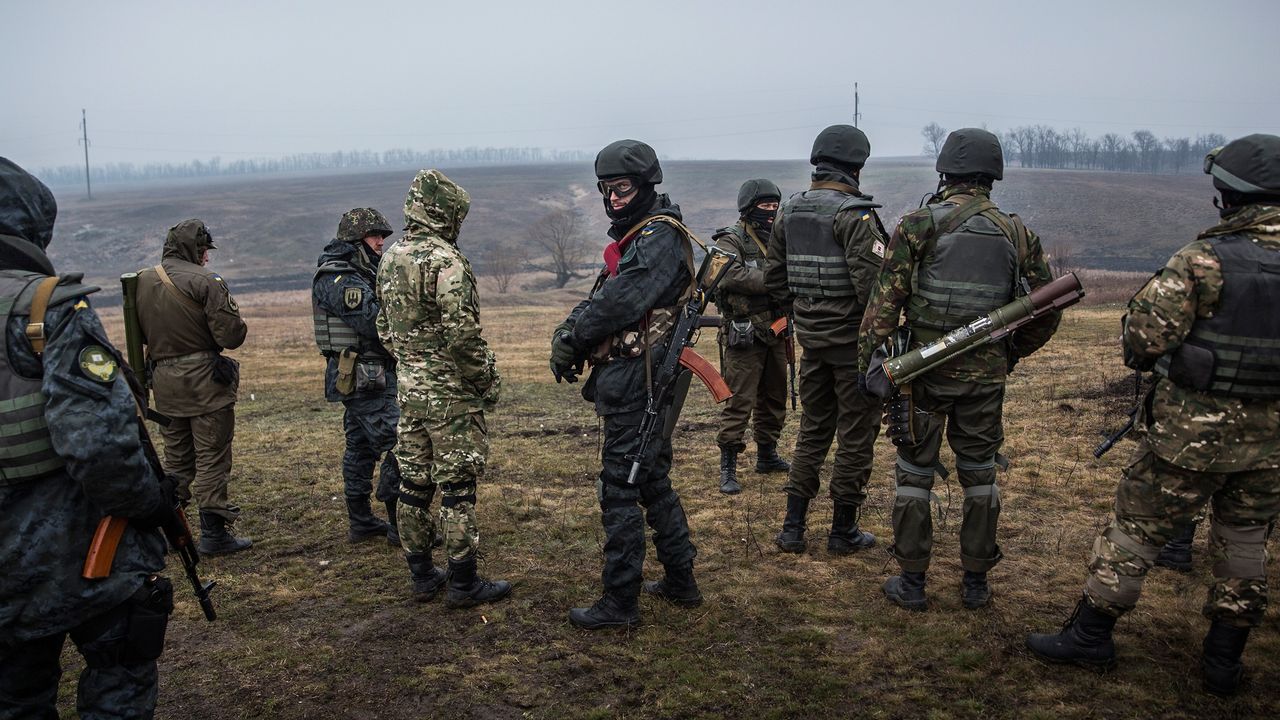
x=785, y=327
x=671, y=380
x=1109, y=441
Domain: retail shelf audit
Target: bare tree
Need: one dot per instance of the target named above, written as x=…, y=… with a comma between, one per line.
x=1062, y=259
x=934, y=135
x=502, y=263
x=560, y=234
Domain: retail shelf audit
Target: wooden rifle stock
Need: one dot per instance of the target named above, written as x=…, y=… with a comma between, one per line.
x=102, y=550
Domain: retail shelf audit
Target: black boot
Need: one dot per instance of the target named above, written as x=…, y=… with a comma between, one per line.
x=791, y=539
x=845, y=537
x=393, y=529
x=678, y=587
x=363, y=524
x=427, y=578
x=729, y=471
x=768, y=460
x=607, y=613
x=975, y=592
x=1220, y=664
x=1085, y=640
x=216, y=537
x=467, y=589
x=1176, y=554
x=906, y=590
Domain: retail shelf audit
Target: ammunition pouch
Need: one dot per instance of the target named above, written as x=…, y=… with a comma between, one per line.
x=371, y=377
x=1188, y=366
x=226, y=371
x=899, y=418
x=631, y=343
x=346, y=380
x=739, y=334
x=144, y=617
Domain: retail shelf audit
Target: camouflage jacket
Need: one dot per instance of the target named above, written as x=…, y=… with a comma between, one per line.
x=988, y=363
x=742, y=294
x=1188, y=428
x=430, y=314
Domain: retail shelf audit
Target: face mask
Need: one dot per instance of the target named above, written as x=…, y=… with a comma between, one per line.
x=761, y=218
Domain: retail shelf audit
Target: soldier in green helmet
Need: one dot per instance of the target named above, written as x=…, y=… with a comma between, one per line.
x=1209, y=428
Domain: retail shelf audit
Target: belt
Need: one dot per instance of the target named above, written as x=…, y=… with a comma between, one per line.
x=199, y=355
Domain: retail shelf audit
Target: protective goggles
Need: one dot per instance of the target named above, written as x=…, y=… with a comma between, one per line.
x=621, y=187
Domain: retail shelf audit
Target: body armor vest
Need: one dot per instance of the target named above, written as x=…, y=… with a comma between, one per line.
x=741, y=306
x=1237, y=351
x=332, y=334
x=816, y=263
x=965, y=272
x=26, y=451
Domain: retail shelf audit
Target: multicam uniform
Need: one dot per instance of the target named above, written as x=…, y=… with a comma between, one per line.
x=945, y=270
x=1219, y=444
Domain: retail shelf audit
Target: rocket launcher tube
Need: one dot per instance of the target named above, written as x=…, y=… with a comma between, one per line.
x=132, y=328
x=1061, y=293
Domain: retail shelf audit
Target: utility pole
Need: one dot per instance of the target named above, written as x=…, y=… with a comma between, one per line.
x=84, y=126
x=856, y=115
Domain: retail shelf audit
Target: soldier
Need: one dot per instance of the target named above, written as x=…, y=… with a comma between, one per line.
x=1208, y=429
x=430, y=321
x=188, y=317
x=955, y=259
x=358, y=369
x=72, y=455
x=623, y=328
x=754, y=359
x=823, y=253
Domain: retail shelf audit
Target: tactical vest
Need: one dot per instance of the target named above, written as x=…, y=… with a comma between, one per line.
x=26, y=450
x=969, y=267
x=1243, y=336
x=332, y=334
x=735, y=305
x=816, y=263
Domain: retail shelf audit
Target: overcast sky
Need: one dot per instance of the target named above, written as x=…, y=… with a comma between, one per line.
x=175, y=80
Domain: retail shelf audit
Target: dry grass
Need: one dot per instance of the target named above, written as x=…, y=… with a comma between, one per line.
x=310, y=626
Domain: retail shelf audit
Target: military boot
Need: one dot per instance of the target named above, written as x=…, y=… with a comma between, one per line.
x=845, y=537
x=363, y=524
x=975, y=592
x=678, y=587
x=1176, y=554
x=216, y=537
x=1085, y=640
x=427, y=578
x=1220, y=665
x=393, y=528
x=607, y=613
x=906, y=590
x=791, y=539
x=467, y=589
x=729, y=471
x=768, y=460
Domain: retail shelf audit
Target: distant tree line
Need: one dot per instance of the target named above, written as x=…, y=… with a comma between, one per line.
x=306, y=162
x=1041, y=146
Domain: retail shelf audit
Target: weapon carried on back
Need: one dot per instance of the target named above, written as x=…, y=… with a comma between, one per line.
x=671, y=380
x=133, y=331
x=1109, y=441
x=785, y=327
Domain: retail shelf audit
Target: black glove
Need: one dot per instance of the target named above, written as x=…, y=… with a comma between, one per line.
x=564, y=357
x=862, y=386
x=168, y=501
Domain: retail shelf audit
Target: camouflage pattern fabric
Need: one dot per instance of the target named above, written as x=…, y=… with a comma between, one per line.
x=893, y=287
x=430, y=320
x=359, y=223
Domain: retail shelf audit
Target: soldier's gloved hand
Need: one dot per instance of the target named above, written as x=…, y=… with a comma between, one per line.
x=862, y=386
x=564, y=357
x=168, y=501
x=490, y=396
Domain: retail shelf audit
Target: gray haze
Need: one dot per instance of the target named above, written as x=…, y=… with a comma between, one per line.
x=175, y=81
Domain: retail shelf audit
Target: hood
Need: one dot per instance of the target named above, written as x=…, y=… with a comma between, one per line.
x=27, y=208
x=661, y=205
x=1259, y=218
x=356, y=254
x=187, y=241
x=435, y=206
x=831, y=172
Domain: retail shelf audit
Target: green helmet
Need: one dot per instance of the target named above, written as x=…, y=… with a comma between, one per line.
x=360, y=223
x=842, y=145
x=755, y=191
x=629, y=157
x=971, y=151
x=1249, y=165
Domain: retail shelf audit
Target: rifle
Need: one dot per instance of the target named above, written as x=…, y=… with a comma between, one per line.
x=671, y=380
x=102, y=550
x=1109, y=441
x=784, y=327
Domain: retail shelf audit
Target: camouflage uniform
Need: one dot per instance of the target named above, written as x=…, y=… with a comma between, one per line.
x=1195, y=447
x=72, y=454
x=430, y=321
x=965, y=395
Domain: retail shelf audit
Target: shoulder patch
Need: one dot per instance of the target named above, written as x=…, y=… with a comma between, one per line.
x=217, y=278
x=97, y=364
x=351, y=297
x=82, y=305
x=232, y=305
x=878, y=248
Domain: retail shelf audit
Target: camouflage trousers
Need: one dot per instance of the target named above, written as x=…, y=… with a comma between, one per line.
x=757, y=376
x=197, y=450
x=449, y=452
x=369, y=424
x=1154, y=501
x=970, y=413
x=833, y=409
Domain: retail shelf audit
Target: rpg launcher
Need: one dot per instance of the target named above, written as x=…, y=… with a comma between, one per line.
x=1061, y=293
x=671, y=379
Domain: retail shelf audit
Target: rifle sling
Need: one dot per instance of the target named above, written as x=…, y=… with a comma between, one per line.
x=182, y=297
x=40, y=306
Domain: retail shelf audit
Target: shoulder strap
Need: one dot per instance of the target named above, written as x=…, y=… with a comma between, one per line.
x=39, y=306
x=752, y=234
x=182, y=297
x=957, y=217
x=688, y=247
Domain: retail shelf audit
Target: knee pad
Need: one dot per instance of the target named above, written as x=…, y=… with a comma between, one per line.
x=453, y=494
x=415, y=495
x=1240, y=550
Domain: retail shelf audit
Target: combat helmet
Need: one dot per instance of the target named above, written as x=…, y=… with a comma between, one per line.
x=359, y=223
x=971, y=151
x=1249, y=165
x=843, y=145
x=629, y=157
x=756, y=191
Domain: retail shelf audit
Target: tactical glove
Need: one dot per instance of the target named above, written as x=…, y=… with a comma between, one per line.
x=564, y=357
x=490, y=396
x=168, y=501
x=862, y=386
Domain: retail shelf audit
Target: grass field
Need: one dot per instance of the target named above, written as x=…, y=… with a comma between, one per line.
x=310, y=626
